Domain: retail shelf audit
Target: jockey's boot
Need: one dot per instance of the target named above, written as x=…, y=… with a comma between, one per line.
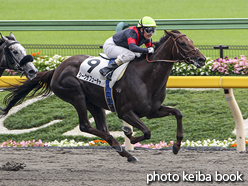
x=106, y=71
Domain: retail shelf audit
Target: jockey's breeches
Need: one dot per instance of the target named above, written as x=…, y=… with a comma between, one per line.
x=114, y=51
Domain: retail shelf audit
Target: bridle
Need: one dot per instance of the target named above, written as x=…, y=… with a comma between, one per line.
x=176, y=46
x=10, y=58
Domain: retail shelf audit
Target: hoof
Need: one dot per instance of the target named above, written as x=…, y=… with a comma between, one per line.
x=127, y=130
x=175, y=149
x=132, y=159
x=118, y=148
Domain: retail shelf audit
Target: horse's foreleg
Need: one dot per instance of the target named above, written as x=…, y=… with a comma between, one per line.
x=102, y=129
x=99, y=116
x=132, y=119
x=75, y=96
x=86, y=127
x=167, y=111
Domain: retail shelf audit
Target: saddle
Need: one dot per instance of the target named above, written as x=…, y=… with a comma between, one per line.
x=89, y=71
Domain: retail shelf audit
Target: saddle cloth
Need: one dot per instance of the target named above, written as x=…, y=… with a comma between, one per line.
x=89, y=71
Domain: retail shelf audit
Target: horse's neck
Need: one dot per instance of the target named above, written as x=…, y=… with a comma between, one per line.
x=164, y=52
x=161, y=70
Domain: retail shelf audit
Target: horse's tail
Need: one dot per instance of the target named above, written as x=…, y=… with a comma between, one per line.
x=30, y=88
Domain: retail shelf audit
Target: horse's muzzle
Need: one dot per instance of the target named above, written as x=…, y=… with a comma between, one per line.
x=201, y=61
x=198, y=62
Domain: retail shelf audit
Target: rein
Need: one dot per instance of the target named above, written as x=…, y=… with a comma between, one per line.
x=174, y=45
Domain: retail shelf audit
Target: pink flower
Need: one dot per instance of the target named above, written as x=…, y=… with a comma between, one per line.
x=236, y=66
x=23, y=143
x=241, y=63
x=242, y=57
x=138, y=144
x=4, y=144
x=163, y=144
x=45, y=144
x=221, y=69
x=215, y=66
x=238, y=69
x=156, y=146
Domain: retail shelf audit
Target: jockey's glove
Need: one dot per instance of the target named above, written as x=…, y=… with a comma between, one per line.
x=150, y=50
x=137, y=54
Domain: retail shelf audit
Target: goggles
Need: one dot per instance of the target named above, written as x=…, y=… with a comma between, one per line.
x=149, y=30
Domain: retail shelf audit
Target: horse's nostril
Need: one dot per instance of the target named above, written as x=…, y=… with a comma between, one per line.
x=32, y=72
x=200, y=62
x=201, y=59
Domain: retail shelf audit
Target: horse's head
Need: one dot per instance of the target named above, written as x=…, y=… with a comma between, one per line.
x=16, y=57
x=184, y=49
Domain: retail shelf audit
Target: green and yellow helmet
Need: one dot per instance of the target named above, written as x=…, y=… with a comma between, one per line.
x=146, y=22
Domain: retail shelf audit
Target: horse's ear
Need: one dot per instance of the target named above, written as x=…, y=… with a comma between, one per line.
x=12, y=36
x=4, y=38
x=167, y=32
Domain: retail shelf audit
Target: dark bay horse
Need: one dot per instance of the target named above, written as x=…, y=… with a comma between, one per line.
x=13, y=56
x=139, y=93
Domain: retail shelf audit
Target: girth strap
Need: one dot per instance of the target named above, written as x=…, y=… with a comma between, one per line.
x=108, y=94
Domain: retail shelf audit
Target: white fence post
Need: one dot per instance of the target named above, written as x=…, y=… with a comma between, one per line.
x=239, y=122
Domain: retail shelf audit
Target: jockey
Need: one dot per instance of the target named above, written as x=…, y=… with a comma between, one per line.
x=124, y=45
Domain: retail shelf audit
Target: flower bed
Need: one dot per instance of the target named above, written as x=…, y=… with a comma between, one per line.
x=72, y=143
x=218, y=67
x=47, y=63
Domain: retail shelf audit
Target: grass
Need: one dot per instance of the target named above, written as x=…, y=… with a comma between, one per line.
x=206, y=116
x=130, y=9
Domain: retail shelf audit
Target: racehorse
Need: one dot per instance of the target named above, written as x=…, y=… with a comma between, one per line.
x=139, y=93
x=13, y=56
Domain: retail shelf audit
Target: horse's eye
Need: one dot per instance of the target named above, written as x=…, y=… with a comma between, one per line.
x=15, y=52
x=182, y=44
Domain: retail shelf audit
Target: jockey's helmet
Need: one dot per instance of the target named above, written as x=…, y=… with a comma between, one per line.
x=146, y=22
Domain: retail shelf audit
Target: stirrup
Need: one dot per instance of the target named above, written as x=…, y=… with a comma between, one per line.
x=109, y=75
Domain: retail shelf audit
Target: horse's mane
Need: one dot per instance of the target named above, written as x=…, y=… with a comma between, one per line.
x=163, y=39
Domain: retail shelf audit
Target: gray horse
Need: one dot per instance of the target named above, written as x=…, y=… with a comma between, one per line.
x=13, y=56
